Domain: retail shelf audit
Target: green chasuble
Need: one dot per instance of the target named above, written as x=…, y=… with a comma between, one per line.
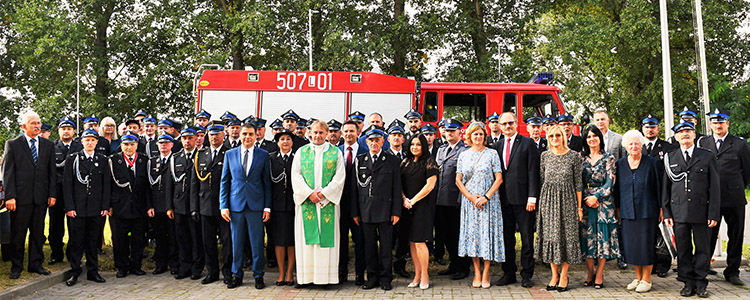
x=325, y=235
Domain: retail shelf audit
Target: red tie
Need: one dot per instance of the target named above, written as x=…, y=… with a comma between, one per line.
x=349, y=157
x=507, y=152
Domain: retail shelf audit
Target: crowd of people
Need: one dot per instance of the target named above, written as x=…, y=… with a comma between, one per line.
x=406, y=190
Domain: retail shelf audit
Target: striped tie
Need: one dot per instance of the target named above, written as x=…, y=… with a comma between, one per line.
x=34, y=153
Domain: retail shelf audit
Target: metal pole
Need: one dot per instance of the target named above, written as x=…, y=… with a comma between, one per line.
x=666, y=69
x=701, y=45
x=309, y=36
x=78, y=94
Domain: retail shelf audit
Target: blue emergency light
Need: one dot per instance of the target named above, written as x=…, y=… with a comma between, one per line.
x=542, y=78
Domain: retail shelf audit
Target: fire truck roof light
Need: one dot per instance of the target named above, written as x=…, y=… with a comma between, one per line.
x=542, y=78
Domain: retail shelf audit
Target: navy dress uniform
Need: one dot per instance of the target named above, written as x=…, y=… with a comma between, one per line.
x=228, y=142
x=130, y=200
x=297, y=141
x=261, y=141
x=165, y=253
x=691, y=197
x=687, y=115
x=186, y=220
x=733, y=157
x=86, y=190
x=147, y=145
x=575, y=142
x=102, y=146
x=494, y=117
x=430, y=129
x=448, y=205
x=411, y=115
x=57, y=213
x=204, y=199
x=541, y=143
x=376, y=198
x=168, y=125
x=400, y=233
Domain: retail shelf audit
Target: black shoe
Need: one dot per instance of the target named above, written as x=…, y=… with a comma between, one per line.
x=280, y=283
x=386, y=286
x=661, y=274
x=506, y=280
x=360, y=280
x=459, y=276
x=71, y=281
x=343, y=279
x=234, y=282
x=301, y=285
x=440, y=261
x=196, y=276
x=735, y=280
x=562, y=289
x=448, y=271
x=159, y=270
x=53, y=261
x=209, y=279
x=290, y=283
x=121, y=274
x=15, y=275
x=137, y=272
x=181, y=276
x=41, y=271
x=687, y=291
x=95, y=278
x=370, y=285
x=259, y=285
x=712, y=272
x=527, y=283
x=701, y=292
x=227, y=280
x=174, y=271
x=550, y=288
x=403, y=273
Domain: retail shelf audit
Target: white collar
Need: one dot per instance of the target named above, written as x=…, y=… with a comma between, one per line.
x=28, y=139
x=248, y=149
x=87, y=155
x=165, y=157
x=717, y=138
x=512, y=138
x=215, y=149
x=379, y=154
x=689, y=150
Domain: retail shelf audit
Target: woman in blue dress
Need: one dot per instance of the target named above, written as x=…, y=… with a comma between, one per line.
x=478, y=178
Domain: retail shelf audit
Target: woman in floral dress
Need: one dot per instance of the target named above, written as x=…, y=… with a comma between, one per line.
x=599, y=239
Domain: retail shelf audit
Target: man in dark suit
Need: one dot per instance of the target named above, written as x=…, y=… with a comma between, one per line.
x=566, y=122
x=86, y=190
x=187, y=225
x=161, y=212
x=204, y=200
x=519, y=160
x=448, y=208
x=245, y=202
x=733, y=157
x=691, y=203
x=376, y=206
x=64, y=146
x=29, y=178
x=534, y=127
x=130, y=200
x=350, y=149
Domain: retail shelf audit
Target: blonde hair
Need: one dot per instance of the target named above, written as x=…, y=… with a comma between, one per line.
x=471, y=129
x=561, y=131
x=108, y=120
x=319, y=123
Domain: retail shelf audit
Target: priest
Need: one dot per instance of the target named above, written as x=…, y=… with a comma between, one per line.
x=318, y=175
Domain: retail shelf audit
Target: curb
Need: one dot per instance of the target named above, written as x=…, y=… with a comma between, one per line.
x=32, y=286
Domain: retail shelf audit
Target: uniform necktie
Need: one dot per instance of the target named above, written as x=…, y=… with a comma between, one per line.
x=244, y=162
x=67, y=149
x=650, y=146
x=687, y=157
x=449, y=151
x=214, y=153
x=349, y=157
x=374, y=159
x=718, y=144
x=507, y=152
x=398, y=154
x=34, y=153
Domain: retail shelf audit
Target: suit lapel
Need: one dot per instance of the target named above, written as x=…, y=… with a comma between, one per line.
x=724, y=145
x=25, y=148
x=514, y=148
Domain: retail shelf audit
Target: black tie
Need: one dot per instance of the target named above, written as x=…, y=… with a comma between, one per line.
x=650, y=146
x=449, y=151
x=374, y=158
x=214, y=153
x=67, y=149
x=687, y=157
x=398, y=154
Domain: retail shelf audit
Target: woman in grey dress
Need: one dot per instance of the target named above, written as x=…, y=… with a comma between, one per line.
x=557, y=239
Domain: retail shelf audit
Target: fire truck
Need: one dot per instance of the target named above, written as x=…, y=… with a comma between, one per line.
x=333, y=95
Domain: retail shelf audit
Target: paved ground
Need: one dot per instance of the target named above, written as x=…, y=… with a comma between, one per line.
x=165, y=287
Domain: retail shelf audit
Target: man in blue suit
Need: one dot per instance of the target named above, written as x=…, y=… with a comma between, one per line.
x=245, y=202
x=351, y=148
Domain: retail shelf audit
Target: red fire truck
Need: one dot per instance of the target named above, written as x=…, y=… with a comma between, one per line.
x=333, y=95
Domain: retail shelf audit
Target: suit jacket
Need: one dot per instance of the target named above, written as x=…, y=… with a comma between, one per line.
x=541, y=145
x=575, y=143
x=733, y=158
x=148, y=148
x=133, y=199
x=402, y=154
x=239, y=190
x=638, y=192
x=269, y=146
x=204, y=195
x=25, y=181
x=160, y=174
x=228, y=143
x=614, y=145
x=521, y=177
x=349, y=182
x=660, y=148
x=377, y=191
x=180, y=174
x=89, y=199
x=298, y=142
x=698, y=200
x=103, y=146
x=448, y=194
x=490, y=141
x=282, y=197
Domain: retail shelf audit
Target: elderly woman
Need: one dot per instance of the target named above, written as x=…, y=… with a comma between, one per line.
x=636, y=195
x=557, y=239
x=478, y=178
x=599, y=239
x=108, y=130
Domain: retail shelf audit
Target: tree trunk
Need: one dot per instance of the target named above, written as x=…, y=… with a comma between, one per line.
x=399, y=51
x=101, y=53
x=477, y=32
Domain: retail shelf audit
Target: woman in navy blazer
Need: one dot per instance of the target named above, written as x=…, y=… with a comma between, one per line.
x=637, y=195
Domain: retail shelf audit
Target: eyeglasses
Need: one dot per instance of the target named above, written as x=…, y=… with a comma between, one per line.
x=556, y=135
x=507, y=123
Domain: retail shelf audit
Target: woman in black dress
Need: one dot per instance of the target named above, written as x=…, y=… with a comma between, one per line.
x=282, y=206
x=418, y=177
